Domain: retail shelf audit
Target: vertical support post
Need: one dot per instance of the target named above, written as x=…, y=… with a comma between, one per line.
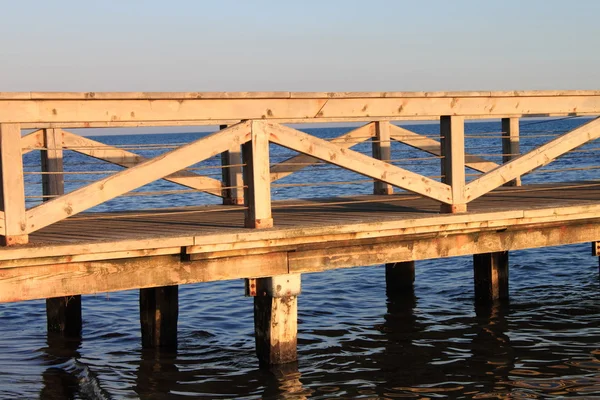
x=452, y=140
x=159, y=310
x=276, y=318
x=596, y=252
x=257, y=178
x=231, y=163
x=491, y=276
x=510, y=144
x=63, y=314
x=400, y=277
x=12, y=186
x=382, y=151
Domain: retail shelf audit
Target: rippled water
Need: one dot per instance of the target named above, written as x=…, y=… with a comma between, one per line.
x=354, y=340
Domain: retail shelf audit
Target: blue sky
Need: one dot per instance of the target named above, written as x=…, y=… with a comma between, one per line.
x=228, y=45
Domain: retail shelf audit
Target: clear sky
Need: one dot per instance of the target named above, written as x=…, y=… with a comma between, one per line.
x=299, y=45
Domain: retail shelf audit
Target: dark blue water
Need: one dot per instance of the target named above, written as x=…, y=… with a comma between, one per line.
x=354, y=340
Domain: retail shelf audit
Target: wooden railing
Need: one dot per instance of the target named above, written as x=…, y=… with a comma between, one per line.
x=247, y=172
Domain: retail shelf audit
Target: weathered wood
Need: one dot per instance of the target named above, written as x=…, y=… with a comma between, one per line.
x=422, y=142
x=12, y=186
x=134, y=177
x=296, y=163
x=257, y=179
x=39, y=282
x=127, y=159
x=534, y=159
x=399, y=277
x=32, y=141
x=477, y=242
x=382, y=151
x=510, y=144
x=53, y=184
x=159, y=310
x=275, y=329
x=63, y=315
x=232, y=174
x=119, y=111
x=452, y=141
x=491, y=276
x=357, y=162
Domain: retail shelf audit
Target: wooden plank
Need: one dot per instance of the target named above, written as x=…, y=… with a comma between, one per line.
x=442, y=246
x=53, y=184
x=510, y=144
x=491, y=276
x=296, y=163
x=124, y=111
x=382, y=151
x=357, y=162
x=18, y=284
x=257, y=178
x=32, y=141
x=134, y=177
x=452, y=141
x=232, y=174
x=282, y=94
x=532, y=160
x=431, y=146
x=159, y=311
x=113, y=155
x=12, y=186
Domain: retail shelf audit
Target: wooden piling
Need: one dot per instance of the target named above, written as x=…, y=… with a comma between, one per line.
x=12, y=186
x=159, y=310
x=510, y=144
x=399, y=277
x=452, y=141
x=276, y=319
x=257, y=177
x=382, y=151
x=491, y=276
x=63, y=314
x=232, y=174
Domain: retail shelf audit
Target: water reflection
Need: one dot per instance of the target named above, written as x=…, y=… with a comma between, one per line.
x=58, y=381
x=67, y=377
x=157, y=374
x=283, y=382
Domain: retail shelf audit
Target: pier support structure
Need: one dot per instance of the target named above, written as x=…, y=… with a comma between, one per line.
x=159, y=310
x=12, y=186
x=491, y=276
x=399, y=277
x=232, y=174
x=510, y=144
x=63, y=313
x=452, y=146
x=275, y=317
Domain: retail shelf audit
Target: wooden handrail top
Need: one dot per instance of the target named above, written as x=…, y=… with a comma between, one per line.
x=282, y=95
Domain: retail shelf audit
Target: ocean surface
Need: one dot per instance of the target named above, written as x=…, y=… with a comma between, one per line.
x=354, y=340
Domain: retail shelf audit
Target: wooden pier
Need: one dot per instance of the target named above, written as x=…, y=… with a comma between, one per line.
x=57, y=250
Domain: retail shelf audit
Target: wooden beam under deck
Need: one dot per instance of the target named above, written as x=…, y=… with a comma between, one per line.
x=139, y=250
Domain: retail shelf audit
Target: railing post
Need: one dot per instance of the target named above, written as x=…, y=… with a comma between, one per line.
x=452, y=140
x=382, y=151
x=510, y=144
x=12, y=186
x=231, y=163
x=257, y=178
x=63, y=314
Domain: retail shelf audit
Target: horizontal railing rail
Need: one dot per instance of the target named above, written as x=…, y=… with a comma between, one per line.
x=248, y=170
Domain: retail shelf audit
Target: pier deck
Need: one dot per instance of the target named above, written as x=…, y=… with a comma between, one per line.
x=460, y=194
x=308, y=236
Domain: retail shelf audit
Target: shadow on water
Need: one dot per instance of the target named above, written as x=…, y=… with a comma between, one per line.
x=157, y=375
x=67, y=377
